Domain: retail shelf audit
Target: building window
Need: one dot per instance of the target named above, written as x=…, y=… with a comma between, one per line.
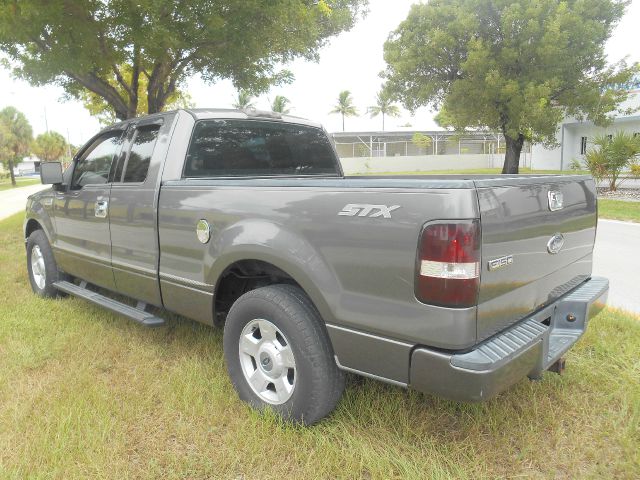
x=583, y=145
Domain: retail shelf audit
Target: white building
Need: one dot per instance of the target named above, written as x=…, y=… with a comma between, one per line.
x=28, y=166
x=575, y=137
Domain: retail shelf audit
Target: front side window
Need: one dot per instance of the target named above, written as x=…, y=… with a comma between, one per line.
x=142, y=145
x=94, y=165
x=235, y=148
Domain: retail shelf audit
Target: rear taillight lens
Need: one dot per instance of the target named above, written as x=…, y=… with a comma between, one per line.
x=448, y=271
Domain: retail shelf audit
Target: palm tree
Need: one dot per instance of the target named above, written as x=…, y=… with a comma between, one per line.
x=16, y=136
x=383, y=106
x=244, y=100
x=345, y=106
x=280, y=104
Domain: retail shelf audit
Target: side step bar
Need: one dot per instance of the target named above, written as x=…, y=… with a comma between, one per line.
x=137, y=314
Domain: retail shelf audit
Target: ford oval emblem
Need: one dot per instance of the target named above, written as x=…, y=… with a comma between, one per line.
x=555, y=243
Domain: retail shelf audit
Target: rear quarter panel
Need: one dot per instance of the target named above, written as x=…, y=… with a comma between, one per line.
x=359, y=271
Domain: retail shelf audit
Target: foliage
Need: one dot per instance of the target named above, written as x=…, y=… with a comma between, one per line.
x=345, y=106
x=50, y=146
x=106, y=115
x=421, y=140
x=576, y=164
x=16, y=135
x=514, y=66
x=612, y=155
x=280, y=104
x=88, y=46
x=243, y=101
x=385, y=106
x=635, y=171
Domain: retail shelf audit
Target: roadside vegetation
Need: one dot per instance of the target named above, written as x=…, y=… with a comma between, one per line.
x=619, y=210
x=5, y=184
x=86, y=393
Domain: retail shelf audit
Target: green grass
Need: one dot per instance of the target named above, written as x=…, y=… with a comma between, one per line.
x=86, y=393
x=482, y=171
x=619, y=210
x=20, y=182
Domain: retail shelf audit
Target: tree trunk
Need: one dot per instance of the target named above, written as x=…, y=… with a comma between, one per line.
x=13, y=177
x=343, y=122
x=383, y=122
x=512, y=154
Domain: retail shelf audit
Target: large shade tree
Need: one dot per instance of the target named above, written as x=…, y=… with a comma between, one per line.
x=515, y=66
x=110, y=47
x=16, y=136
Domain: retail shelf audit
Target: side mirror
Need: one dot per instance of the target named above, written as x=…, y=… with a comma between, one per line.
x=51, y=173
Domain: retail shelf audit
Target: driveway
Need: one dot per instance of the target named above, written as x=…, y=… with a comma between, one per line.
x=617, y=257
x=14, y=200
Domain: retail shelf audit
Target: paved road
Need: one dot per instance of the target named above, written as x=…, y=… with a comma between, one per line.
x=14, y=200
x=617, y=257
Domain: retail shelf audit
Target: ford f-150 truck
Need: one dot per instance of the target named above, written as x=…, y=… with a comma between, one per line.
x=456, y=285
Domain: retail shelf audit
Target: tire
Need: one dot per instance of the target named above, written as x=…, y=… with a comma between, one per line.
x=308, y=393
x=40, y=258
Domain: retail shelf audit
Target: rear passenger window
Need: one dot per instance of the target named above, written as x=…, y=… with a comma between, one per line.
x=232, y=148
x=142, y=145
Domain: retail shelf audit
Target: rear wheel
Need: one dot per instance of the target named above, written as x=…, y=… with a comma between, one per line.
x=43, y=271
x=278, y=354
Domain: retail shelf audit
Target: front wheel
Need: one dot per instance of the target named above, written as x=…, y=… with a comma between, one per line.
x=43, y=271
x=278, y=354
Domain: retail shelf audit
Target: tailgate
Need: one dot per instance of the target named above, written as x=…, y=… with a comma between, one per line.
x=521, y=271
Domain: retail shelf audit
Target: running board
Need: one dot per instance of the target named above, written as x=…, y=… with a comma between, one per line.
x=137, y=314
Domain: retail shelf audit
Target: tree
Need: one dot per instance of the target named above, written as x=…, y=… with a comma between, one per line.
x=612, y=155
x=280, y=105
x=15, y=137
x=244, y=100
x=106, y=115
x=421, y=140
x=345, y=106
x=516, y=66
x=384, y=105
x=90, y=46
x=50, y=146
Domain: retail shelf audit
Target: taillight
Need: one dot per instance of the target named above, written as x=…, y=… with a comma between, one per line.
x=448, y=272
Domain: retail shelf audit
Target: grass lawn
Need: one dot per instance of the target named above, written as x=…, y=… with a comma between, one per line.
x=87, y=393
x=619, y=210
x=20, y=182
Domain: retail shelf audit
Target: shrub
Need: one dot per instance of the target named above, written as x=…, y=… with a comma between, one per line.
x=612, y=155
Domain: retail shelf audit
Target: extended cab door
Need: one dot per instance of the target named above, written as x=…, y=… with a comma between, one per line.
x=133, y=207
x=82, y=245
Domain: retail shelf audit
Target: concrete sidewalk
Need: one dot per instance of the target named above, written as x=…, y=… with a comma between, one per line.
x=14, y=200
x=617, y=256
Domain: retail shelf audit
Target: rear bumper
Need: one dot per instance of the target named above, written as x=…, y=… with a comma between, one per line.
x=526, y=349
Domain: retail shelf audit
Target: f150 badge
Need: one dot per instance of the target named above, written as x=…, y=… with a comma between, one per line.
x=367, y=210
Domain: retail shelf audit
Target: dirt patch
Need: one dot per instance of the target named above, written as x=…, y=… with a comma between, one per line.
x=625, y=194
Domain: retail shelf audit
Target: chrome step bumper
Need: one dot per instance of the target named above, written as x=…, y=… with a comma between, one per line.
x=526, y=349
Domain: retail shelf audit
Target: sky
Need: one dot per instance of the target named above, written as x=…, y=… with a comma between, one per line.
x=351, y=61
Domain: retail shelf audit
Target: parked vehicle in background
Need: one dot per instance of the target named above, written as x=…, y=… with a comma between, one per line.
x=454, y=285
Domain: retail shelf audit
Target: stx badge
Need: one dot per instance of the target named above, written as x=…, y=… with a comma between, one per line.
x=366, y=210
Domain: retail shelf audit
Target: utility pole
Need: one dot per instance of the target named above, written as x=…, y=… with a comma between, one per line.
x=46, y=123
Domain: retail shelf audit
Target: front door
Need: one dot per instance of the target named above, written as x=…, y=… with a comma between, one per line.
x=83, y=243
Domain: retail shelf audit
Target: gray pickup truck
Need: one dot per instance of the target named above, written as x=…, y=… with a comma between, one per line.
x=456, y=285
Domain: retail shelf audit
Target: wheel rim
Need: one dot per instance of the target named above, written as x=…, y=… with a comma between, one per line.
x=38, y=270
x=267, y=361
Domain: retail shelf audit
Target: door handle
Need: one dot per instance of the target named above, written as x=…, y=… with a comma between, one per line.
x=101, y=208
